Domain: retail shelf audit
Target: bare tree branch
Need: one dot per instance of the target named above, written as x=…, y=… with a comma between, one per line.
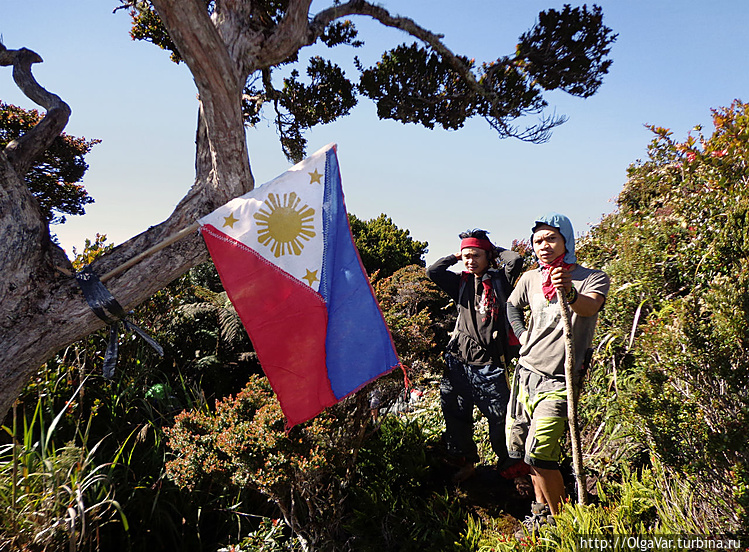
x=23, y=151
x=361, y=7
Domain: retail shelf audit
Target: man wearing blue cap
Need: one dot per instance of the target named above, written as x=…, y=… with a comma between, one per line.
x=537, y=411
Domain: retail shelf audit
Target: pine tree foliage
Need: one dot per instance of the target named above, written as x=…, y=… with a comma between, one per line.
x=423, y=82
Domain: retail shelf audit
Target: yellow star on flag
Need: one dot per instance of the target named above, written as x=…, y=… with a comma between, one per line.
x=230, y=220
x=315, y=177
x=311, y=276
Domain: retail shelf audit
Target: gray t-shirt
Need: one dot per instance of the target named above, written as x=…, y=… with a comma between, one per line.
x=542, y=348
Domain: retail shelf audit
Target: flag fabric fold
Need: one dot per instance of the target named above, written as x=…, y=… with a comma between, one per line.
x=287, y=260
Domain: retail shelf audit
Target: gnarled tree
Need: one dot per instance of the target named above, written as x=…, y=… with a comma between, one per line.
x=229, y=45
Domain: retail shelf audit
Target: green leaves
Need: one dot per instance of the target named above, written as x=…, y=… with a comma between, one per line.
x=341, y=32
x=53, y=180
x=678, y=246
x=383, y=247
x=413, y=85
x=423, y=83
x=565, y=50
x=328, y=96
x=568, y=49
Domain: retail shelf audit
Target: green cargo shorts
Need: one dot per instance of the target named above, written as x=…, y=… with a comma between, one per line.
x=536, y=418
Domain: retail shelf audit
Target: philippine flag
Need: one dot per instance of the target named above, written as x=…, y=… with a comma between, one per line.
x=287, y=260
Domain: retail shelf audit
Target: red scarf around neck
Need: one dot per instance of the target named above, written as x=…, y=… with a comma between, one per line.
x=488, y=305
x=546, y=286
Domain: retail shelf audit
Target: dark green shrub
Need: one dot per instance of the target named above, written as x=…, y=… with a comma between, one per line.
x=242, y=445
x=398, y=503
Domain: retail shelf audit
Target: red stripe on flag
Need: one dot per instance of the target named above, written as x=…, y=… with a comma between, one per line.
x=286, y=321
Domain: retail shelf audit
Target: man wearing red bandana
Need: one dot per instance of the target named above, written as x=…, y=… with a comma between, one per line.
x=479, y=349
x=537, y=412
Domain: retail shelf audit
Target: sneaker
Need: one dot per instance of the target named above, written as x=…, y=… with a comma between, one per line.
x=540, y=515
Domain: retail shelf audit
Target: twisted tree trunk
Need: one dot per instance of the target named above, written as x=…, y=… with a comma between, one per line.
x=41, y=308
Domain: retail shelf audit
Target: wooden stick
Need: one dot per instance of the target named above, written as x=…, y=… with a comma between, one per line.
x=572, y=396
x=150, y=251
x=64, y=271
x=138, y=258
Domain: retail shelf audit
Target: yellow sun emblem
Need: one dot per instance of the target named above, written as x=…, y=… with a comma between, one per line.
x=284, y=224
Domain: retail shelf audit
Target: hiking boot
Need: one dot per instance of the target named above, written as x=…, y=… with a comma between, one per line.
x=540, y=515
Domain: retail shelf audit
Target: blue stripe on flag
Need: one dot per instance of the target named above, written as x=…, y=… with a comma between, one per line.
x=358, y=344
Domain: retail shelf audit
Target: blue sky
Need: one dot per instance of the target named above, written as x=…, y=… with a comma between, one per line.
x=673, y=62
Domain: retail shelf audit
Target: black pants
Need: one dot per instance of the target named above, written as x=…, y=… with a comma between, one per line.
x=462, y=387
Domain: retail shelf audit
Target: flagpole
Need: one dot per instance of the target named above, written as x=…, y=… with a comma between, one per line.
x=150, y=251
x=138, y=258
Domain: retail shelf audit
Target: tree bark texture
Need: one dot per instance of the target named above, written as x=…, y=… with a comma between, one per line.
x=41, y=309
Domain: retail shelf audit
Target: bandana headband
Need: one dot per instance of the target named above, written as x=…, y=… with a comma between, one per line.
x=486, y=245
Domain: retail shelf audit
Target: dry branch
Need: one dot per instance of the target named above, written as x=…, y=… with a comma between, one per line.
x=572, y=396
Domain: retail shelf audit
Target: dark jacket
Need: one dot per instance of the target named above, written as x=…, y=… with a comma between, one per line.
x=477, y=339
